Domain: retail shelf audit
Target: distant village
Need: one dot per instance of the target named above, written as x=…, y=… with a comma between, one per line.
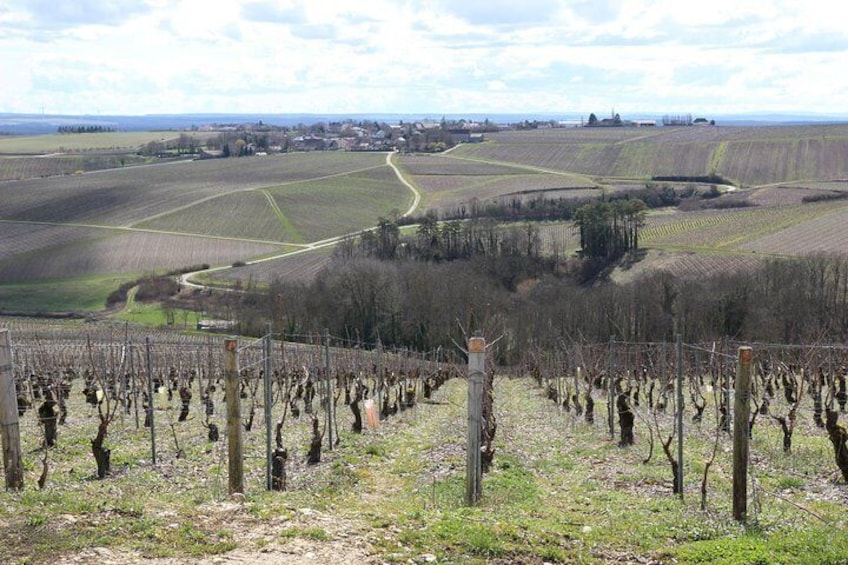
x=214, y=141
x=426, y=136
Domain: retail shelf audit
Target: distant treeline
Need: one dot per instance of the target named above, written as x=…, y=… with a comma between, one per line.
x=84, y=129
x=706, y=179
x=152, y=287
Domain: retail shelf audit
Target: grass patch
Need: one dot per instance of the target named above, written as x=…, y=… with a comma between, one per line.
x=815, y=546
x=317, y=534
x=156, y=316
x=71, y=295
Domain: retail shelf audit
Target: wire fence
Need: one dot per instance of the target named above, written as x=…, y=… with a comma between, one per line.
x=168, y=394
x=171, y=387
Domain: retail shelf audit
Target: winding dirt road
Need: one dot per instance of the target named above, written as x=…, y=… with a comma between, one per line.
x=185, y=279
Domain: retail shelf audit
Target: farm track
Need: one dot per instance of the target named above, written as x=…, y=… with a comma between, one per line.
x=469, y=171
x=525, y=167
x=185, y=280
x=129, y=229
x=251, y=189
x=185, y=205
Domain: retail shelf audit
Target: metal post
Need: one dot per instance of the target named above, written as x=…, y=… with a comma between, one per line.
x=9, y=424
x=234, y=440
x=679, y=387
x=474, y=463
x=741, y=410
x=150, y=400
x=268, y=400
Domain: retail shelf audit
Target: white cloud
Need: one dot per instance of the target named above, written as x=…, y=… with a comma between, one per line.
x=427, y=56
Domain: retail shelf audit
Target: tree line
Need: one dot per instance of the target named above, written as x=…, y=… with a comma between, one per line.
x=539, y=207
x=532, y=303
x=84, y=129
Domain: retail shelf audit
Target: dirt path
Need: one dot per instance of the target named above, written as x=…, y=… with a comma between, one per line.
x=185, y=279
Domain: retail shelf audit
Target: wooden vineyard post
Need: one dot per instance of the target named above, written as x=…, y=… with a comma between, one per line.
x=328, y=391
x=610, y=386
x=9, y=428
x=266, y=369
x=474, y=462
x=379, y=366
x=679, y=386
x=151, y=413
x=741, y=415
x=235, y=449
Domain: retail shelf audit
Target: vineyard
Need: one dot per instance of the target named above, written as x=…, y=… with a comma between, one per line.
x=749, y=155
x=303, y=267
x=367, y=453
x=19, y=168
x=122, y=223
x=118, y=224
x=121, y=252
x=448, y=182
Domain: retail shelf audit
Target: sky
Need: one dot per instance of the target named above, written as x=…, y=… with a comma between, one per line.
x=570, y=57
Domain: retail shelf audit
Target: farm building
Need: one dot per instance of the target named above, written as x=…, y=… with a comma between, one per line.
x=460, y=135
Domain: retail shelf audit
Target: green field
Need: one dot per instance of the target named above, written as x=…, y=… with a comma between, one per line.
x=66, y=295
x=61, y=143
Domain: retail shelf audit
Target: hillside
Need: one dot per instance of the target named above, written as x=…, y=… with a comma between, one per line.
x=751, y=156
